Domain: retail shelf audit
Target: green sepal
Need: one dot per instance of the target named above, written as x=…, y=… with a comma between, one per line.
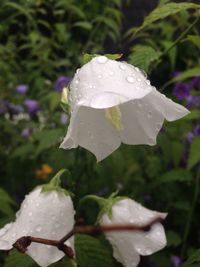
x=105, y=205
x=107, y=208
x=54, y=184
x=87, y=57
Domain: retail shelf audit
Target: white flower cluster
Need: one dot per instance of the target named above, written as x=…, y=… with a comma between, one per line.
x=111, y=103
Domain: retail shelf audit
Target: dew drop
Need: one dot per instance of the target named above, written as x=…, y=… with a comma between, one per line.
x=14, y=235
x=57, y=225
x=149, y=114
x=137, y=69
x=148, y=82
x=111, y=73
x=130, y=79
x=132, y=220
x=102, y=59
x=122, y=67
x=148, y=251
x=77, y=82
x=30, y=214
x=90, y=86
x=38, y=228
x=143, y=73
x=99, y=76
x=139, y=80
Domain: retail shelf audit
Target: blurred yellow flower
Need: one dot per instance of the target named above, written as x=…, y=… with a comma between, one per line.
x=44, y=171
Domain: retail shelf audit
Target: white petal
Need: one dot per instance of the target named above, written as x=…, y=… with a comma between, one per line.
x=46, y=215
x=170, y=110
x=123, y=249
x=141, y=121
x=144, y=243
x=95, y=132
x=103, y=85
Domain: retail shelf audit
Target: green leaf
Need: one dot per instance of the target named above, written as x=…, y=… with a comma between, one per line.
x=173, y=239
x=193, y=259
x=164, y=11
x=195, y=39
x=177, y=175
x=194, y=154
x=143, y=56
x=113, y=56
x=47, y=138
x=177, y=152
x=4, y=196
x=16, y=258
x=187, y=74
x=83, y=24
x=90, y=252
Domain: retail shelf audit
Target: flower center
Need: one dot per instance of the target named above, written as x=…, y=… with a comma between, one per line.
x=114, y=116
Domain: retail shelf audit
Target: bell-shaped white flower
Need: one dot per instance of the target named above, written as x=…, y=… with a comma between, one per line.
x=129, y=245
x=112, y=102
x=47, y=215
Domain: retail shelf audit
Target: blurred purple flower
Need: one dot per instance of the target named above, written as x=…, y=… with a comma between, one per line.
x=196, y=82
x=26, y=132
x=193, y=100
x=197, y=130
x=32, y=106
x=3, y=107
x=176, y=73
x=22, y=89
x=181, y=90
x=175, y=260
x=14, y=109
x=190, y=137
x=62, y=82
x=64, y=118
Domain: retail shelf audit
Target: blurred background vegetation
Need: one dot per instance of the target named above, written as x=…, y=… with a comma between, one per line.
x=41, y=46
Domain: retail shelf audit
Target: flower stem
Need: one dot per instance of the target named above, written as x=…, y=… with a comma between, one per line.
x=190, y=215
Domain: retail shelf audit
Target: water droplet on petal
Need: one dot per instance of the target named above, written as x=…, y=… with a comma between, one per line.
x=111, y=73
x=130, y=79
x=30, y=214
x=139, y=80
x=132, y=221
x=90, y=86
x=14, y=235
x=102, y=59
x=38, y=228
x=143, y=73
x=149, y=114
x=99, y=76
x=77, y=81
x=122, y=67
x=148, y=82
x=137, y=69
x=57, y=225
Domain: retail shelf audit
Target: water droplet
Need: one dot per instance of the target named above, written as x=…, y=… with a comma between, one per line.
x=143, y=73
x=132, y=221
x=130, y=79
x=139, y=80
x=90, y=86
x=149, y=114
x=137, y=69
x=30, y=214
x=57, y=225
x=77, y=81
x=38, y=228
x=111, y=73
x=99, y=76
x=24, y=206
x=102, y=59
x=122, y=67
x=148, y=82
x=77, y=71
x=14, y=235
x=148, y=251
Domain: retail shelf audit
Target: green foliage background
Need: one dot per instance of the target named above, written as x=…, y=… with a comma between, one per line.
x=42, y=40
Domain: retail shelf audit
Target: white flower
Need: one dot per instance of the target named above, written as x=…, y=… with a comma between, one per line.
x=42, y=214
x=128, y=246
x=112, y=102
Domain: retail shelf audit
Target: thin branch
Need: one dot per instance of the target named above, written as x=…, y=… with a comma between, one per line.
x=22, y=243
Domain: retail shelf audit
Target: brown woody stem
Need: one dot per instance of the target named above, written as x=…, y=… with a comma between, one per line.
x=22, y=243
